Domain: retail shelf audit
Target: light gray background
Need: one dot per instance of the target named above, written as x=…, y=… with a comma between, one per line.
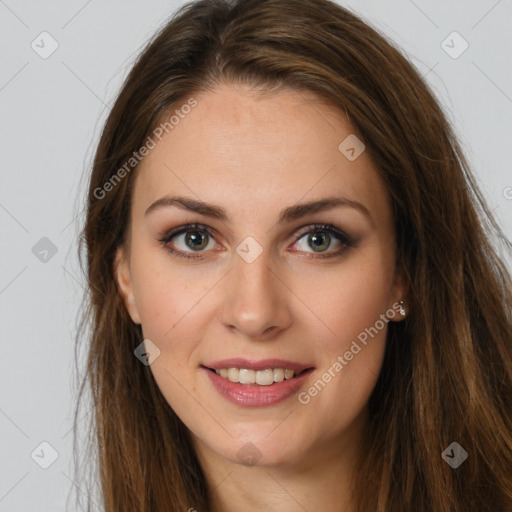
x=51, y=113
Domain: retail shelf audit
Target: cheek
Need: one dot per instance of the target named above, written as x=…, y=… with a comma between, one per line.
x=175, y=314
x=350, y=353
x=171, y=314
x=346, y=318
x=344, y=300
x=167, y=296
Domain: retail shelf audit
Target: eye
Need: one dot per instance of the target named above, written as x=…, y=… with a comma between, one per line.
x=320, y=237
x=195, y=238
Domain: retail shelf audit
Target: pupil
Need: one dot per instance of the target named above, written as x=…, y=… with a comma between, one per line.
x=196, y=238
x=315, y=238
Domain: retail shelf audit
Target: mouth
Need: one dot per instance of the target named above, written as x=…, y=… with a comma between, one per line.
x=267, y=376
x=257, y=384
x=265, y=372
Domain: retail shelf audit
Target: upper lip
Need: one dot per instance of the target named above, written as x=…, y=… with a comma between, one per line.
x=262, y=364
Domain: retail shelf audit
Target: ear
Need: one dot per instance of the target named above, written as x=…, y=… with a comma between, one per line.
x=122, y=274
x=400, y=292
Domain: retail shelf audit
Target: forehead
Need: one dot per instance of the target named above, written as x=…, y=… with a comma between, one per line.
x=253, y=152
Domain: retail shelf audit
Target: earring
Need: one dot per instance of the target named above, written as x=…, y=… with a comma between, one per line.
x=402, y=310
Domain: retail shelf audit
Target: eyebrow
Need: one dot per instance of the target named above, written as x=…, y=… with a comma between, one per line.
x=289, y=214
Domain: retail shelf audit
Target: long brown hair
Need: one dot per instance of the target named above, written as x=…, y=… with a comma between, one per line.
x=447, y=372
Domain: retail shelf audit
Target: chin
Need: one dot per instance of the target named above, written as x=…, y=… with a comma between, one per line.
x=260, y=452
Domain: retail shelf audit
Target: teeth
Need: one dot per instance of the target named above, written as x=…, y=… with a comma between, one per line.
x=233, y=374
x=246, y=376
x=261, y=377
x=278, y=374
x=264, y=377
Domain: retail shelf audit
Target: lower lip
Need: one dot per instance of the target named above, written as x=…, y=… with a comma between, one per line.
x=254, y=395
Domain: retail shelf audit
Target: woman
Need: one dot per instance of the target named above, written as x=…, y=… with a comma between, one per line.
x=295, y=303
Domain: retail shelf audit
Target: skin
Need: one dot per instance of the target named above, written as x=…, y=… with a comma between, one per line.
x=254, y=156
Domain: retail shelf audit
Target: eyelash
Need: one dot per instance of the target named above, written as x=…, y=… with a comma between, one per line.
x=346, y=240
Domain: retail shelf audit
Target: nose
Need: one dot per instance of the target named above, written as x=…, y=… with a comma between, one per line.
x=256, y=301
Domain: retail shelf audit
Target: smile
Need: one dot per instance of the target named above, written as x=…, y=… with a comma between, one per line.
x=264, y=377
x=266, y=383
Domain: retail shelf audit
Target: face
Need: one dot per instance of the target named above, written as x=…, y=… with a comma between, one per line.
x=259, y=280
